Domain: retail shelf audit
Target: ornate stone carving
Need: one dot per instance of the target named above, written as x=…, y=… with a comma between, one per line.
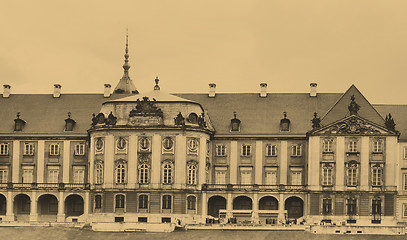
x=111, y=119
x=146, y=107
x=316, y=121
x=352, y=126
x=144, y=158
x=353, y=106
x=179, y=120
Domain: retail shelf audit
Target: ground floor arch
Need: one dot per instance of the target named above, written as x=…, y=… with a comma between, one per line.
x=47, y=205
x=3, y=204
x=215, y=203
x=22, y=204
x=74, y=205
x=295, y=207
x=268, y=203
x=242, y=203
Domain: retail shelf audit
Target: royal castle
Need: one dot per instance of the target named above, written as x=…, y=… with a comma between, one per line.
x=265, y=158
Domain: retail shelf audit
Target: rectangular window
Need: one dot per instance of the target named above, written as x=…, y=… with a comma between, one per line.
x=351, y=206
x=166, y=202
x=405, y=182
x=143, y=202
x=220, y=150
x=54, y=149
x=296, y=177
x=405, y=152
x=191, y=203
x=98, y=201
x=327, y=175
x=377, y=177
x=271, y=150
x=327, y=146
x=352, y=175
x=79, y=149
x=28, y=174
x=79, y=174
x=4, y=149
x=297, y=150
x=220, y=175
x=352, y=147
x=3, y=175
x=326, y=206
x=378, y=146
x=246, y=175
x=29, y=149
x=246, y=150
x=270, y=176
x=405, y=210
x=53, y=174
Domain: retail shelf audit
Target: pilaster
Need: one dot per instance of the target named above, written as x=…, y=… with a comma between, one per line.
x=66, y=161
x=233, y=162
x=40, y=163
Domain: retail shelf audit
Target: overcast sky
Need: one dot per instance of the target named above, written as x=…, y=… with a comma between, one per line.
x=188, y=44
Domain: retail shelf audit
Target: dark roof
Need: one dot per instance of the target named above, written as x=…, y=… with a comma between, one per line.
x=399, y=114
x=260, y=115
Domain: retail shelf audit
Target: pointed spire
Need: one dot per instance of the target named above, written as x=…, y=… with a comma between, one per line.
x=125, y=84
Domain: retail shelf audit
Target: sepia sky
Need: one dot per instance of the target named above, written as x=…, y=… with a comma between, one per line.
x=188, y=43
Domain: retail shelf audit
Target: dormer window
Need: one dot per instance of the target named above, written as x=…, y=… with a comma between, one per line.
x=18, y=123
x=193, y=118
x=69, y=123
x=235, y=124
x=285, y=123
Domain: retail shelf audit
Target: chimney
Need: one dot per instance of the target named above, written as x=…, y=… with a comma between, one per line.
x=263, y=89
x=313, y=91
x=57, y=90
x=212, y=87
x=107, y=91
x=6, y=91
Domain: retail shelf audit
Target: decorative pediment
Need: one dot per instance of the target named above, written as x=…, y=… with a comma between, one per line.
x=352, y=125
x=144, y=158
x=146, y=107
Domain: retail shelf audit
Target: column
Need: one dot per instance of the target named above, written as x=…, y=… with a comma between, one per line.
x=313, y=163
x=255, y=213
x=283, y=163
x=156, y=161
x=40, y=161
x=10, y=207
x=364, y=164
x=202, y=162
x=229, y=205
x=390, y=171
x=109, y=161
x=86, y=206
x=33, y=210
x=204, y=205
x=233, y=162
x=16, y=161
x=61, y=208
x=92, y=161
x=66, y=161
x=340, y=163
x=132, y=161
x=180, y=160
x=258, y=169
x=281, y=215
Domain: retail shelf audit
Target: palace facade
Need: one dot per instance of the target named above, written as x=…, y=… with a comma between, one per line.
x=245, y=157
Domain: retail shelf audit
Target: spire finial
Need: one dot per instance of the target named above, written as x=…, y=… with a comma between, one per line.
x=156, y=87
x=126, y=65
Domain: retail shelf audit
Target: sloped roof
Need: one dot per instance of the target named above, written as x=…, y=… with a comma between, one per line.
x=340, y=109
x=158, y=95
x=399, y=114
x=260, y=115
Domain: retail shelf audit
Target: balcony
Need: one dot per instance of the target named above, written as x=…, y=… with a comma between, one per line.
x=45, y=186
x=383, y=188
x=252, y=187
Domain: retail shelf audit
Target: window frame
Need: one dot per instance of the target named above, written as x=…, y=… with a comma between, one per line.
x=4, y=149
x=404, y=214
x=299, y=172
x=224, y=172
x=354, y=169
x=143, y=205
x=166, y=204
x=192, y=173
x=378, y=146
x=79, y=149
x=4, y=174
x=51, y=177
x=327, y=205
x=244, y=170
x=54, y=149
x=99, y=172
x=121, y=204
x=377, y=175
x=271, y=150
x=29, y=149
x=327, y=145
x=143, y=172
x=167, y=173
x=274, y=172
x=165, y=145
x=27, y=169
x=327, y=174
x=192, y=146
x=78, y=179
x=352, y=146
x=246, y=150
x=189, y=204
x=220, y=150
x=96, y=202
x=120, y=171
x=296, y=150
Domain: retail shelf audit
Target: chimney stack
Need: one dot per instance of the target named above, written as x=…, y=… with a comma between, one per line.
x=212, y=87
x=107, y=91
x=6, y=90
x=313, y=91
x=57, y=90
x=263, y=89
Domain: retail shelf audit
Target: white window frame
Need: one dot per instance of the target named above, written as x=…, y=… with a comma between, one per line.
x=54, y=149
x=78, y=174
x=296, y=150
x=378, y=146
x=167, y=173
x=220, y=150
x=3, y=174
x=405, y=152
x=377, y=176
x=296, y=176
x=246, y=150
x=327, y=146
x=120, y=171
x=327, y=175
x=29, y=149
x=352, y=178
x=53, y=174
x=80, y=149
x=121, y=145
x=99, y=173
x=4, y=149
x=221, y=171
x=28, y=174
x=144, y=173
x=192, y=170
x=271, y=150
x=353, y=146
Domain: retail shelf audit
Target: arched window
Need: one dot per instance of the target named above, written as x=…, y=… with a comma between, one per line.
x=167, y=173
x=377, y=175
x=120, y=173
x=191, y=174
x=120, y=201
x=327, y=174
x=143, y=202
x=143, y=173
x=191, y=203
x=98, y=201
x=352, y=174
x=98, y=173
x=166, y=202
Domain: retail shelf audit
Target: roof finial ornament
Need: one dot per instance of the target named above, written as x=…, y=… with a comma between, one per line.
x=234, y=114
x=353, y=106
x=156, y=87
x=316, y=121
x=126, y=65
x=285, y=114
x=69, y=114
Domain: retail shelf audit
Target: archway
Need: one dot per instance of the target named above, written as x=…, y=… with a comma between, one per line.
x=268, y=203
x=47, y=205
x=242, y=203
x=22, y=204
x=294, y=207
x=3, y=204
x=74, y=205
x=216, y=203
